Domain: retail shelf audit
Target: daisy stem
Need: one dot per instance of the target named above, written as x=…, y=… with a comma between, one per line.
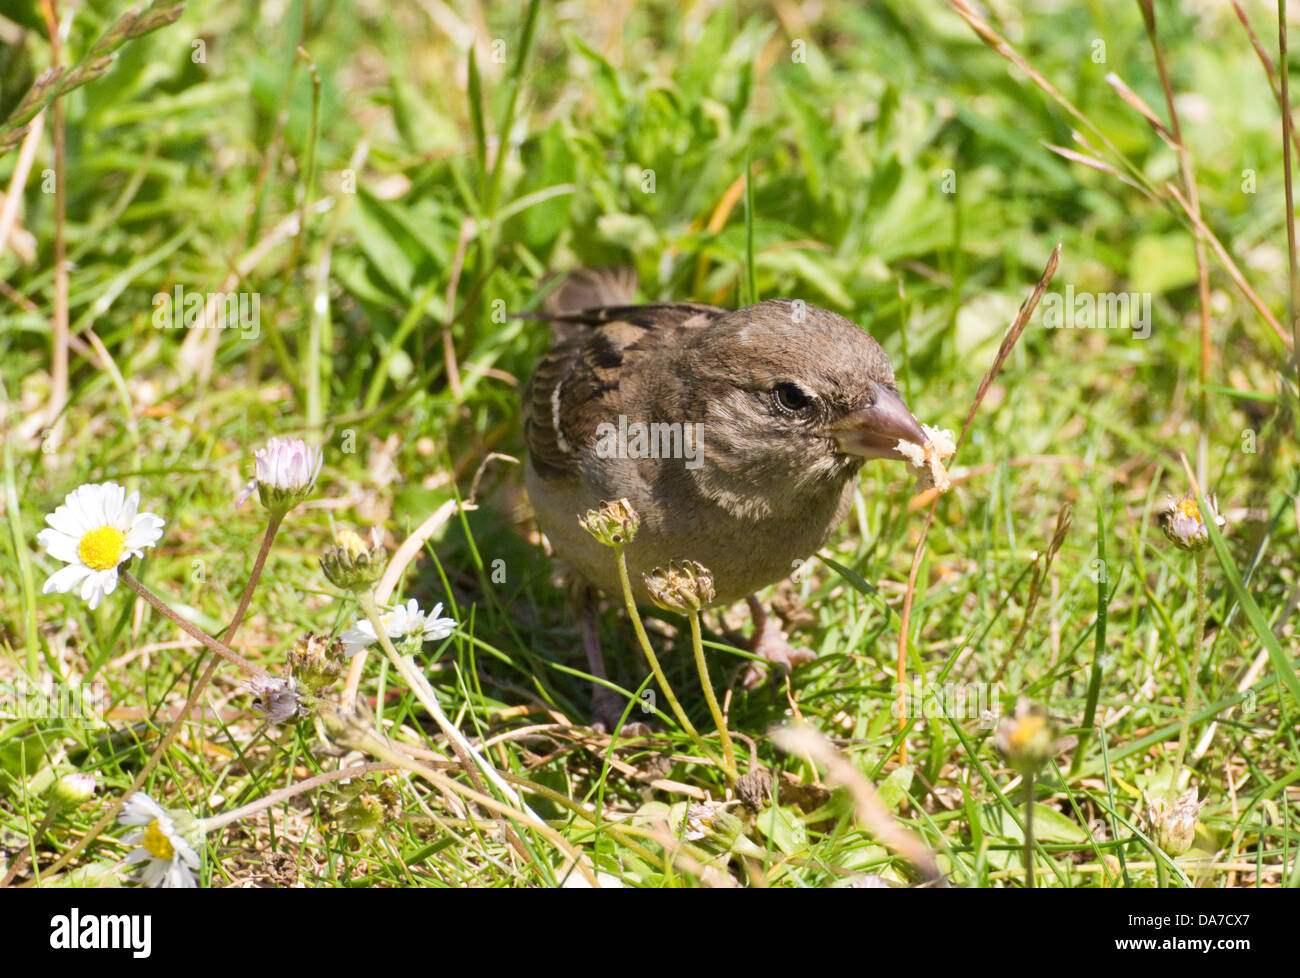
x=405, y=666
x=189, y=628
x=650, y=656
x=1193, y=668
x=223, y=651
x=1028, y=852
x=697, y=643
x=272, y=528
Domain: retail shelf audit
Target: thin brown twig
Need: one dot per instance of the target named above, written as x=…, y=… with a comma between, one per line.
x=1293, y=294
x=1229, y=265
x=1004, y=350
x=1202, y=266
x=1268, y=67
x=59, y=352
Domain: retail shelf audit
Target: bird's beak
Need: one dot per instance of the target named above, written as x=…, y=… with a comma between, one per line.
x=875, y=431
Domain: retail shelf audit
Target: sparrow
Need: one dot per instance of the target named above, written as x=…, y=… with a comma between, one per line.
x=778, y=406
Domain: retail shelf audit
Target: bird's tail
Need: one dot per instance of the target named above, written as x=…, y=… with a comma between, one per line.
x=591, y=288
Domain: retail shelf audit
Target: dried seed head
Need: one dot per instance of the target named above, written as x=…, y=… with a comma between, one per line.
x=614, y=524
x=1173, y=823
x=684, y=586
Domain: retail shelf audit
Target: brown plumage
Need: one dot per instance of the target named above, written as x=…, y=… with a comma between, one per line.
x=777, y=406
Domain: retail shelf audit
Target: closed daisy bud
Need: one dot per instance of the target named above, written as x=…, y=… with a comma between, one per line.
x=1173, y=824
x=1184, y=524
x=286, y=472
x=71, y=791
x=614, y=524
x=351, y=565
x=1026, y=738
x=685, y=586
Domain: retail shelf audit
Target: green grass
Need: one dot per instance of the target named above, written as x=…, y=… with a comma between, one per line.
x=439, y=189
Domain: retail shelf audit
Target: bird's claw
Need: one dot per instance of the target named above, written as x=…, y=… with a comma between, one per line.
x=770, y=643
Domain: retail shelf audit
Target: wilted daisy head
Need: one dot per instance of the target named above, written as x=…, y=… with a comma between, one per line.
x=1184, y=524
x=277, y=698
x=614, y=524
x=286, y=472
x=683, y=586
x=169, y=857
x=405, y=623
x=96, y=529
x=1172, y=822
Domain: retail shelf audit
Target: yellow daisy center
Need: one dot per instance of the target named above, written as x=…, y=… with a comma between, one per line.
x=1189, y=509
x=155, y=841
x=102, y=549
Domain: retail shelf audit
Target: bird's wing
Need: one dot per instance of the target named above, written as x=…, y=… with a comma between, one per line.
x=576, y=386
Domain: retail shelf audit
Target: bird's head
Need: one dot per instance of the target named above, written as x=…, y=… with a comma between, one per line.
x=791, y=393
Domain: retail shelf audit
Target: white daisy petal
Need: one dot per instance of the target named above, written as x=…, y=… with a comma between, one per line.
x=108, y=580
x=131, y=507
x=114, y=500
x=144, y=531
x=66, y=579
x=140, y=809
x=90, y=499
x=59, y=545
x=68, y=520
x=93, y=588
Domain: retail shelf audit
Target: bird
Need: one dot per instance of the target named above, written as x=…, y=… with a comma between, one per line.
x=778, y=404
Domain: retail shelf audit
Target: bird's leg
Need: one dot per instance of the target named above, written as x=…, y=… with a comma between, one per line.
x=606, y=705
x=770, y=642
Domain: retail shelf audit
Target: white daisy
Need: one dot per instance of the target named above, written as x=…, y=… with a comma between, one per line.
x=94, y=531
x=403, y=621
x=171, y=859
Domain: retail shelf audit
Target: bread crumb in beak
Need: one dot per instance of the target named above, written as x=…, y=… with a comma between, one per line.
x=926, y=461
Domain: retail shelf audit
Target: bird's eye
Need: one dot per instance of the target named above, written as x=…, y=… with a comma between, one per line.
x=791, y=398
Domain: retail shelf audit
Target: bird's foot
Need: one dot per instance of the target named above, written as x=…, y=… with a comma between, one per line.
x=770, y=643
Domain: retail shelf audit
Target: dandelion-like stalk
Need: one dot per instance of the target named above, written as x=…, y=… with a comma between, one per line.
x=1185, y=526
x=697, y=643
x=637, y=626
x=685, y=587
x=1181, y=776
